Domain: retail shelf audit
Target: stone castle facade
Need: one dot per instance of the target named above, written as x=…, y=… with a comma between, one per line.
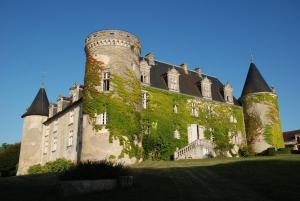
x=190, y=114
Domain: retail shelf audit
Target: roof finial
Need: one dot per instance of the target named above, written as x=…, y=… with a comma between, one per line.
x=43, y=79
x=251, y=57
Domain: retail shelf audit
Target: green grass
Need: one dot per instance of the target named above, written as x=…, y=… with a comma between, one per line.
x=257, y=178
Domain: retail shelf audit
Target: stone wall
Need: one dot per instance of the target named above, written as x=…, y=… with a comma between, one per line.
x=31, y=142
x=262, y=121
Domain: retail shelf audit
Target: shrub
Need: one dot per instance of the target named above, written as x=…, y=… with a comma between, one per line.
x=286, y=150
x=246, y=151
x=58, y=166
x=36, y=169
x=295, y=151
x=95, y=170
x=270, y=152
x=9, y=158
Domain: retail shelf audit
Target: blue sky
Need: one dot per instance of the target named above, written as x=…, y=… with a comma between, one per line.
x=48, y=36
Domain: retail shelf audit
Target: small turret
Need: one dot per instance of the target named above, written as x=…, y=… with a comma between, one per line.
x=261, y=112
x=32, y=133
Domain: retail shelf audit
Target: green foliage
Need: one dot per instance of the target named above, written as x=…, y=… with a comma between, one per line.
x=270, y=152
x=9, y=158
x=160, y=122
x=121, y=106
x=36, y=169
x=254, y=124
x=246, y=151
x=95, y=170
x=57, y=166
x=286, y=150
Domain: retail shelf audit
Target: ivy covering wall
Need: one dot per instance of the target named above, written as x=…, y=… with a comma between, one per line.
x=268, y=125
x=155, y=125
x=160, y=122
x=121, y=106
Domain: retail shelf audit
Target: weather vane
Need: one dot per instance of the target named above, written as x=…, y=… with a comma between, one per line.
x=43, y=79
x=251, y=56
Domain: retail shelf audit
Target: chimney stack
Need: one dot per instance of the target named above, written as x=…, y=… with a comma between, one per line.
x=185, y=68
x=150, y=58
x=198, y=71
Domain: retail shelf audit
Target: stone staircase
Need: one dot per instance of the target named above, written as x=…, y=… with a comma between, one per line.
x=198, y=149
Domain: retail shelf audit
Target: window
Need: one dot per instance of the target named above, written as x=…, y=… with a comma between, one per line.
x=101, y=119
x=46, y=141
x=173, y=84
x=54, y=147
x=106, y=78
x=175, y=109
x=144, y=100
x=194, y=110
x=143, y=78
x=70, y=138
x=71, y=117
x=176, y=134
x=55, y=126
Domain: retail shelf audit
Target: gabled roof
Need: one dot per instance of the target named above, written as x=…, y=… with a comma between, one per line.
x=39, y=106
x=255, y=82
x=189, y=83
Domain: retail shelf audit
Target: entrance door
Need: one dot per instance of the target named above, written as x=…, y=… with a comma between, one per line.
x=195, y=132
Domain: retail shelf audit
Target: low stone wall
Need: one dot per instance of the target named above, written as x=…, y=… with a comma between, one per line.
x=77, y=187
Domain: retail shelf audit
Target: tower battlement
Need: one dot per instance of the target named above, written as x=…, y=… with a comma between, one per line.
x=112, y=38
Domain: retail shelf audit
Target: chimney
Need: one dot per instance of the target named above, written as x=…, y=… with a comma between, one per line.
x=198, y=71
x=185, y=68
x=52, y=109
x=150, y=58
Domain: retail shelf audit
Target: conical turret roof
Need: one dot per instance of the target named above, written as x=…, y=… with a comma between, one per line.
x=40, y=105
x=255, y=82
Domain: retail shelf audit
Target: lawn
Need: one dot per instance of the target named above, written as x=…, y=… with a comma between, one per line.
x=258, y=179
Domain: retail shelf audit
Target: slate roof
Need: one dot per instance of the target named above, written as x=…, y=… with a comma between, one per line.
x=39, y=106
x=255, y=82
x=189, y=84
x=290, y=135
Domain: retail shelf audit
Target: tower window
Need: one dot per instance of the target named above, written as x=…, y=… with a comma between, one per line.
x=102, y=119
x=106, y=79
x=145, y=100
x=70, y=138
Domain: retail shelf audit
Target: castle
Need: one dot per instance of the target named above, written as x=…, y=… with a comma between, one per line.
x=132, y=108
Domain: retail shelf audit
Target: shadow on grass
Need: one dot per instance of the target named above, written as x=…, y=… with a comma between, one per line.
x=242, y=180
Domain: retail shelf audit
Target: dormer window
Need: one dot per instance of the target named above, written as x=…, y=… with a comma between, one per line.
x=173, y=80
x=228, y=93
x=206, y=88
x=106, y=81
x=145, y=72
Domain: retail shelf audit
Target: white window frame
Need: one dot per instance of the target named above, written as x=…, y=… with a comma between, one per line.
x=102, y=119
x=70, y=138
x=106, y=81
x=194, y=110
x=71, y=117
x=175, y=109
x=54, y=144
x=145, y=100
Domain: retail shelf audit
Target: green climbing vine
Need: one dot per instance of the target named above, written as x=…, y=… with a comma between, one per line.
x=155, y=125
x=269, y=125
x=121, y=106
x=160, y=122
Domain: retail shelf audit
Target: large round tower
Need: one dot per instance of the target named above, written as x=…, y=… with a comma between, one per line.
x=116, y=49
x=112, y=55
x=261, y=113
